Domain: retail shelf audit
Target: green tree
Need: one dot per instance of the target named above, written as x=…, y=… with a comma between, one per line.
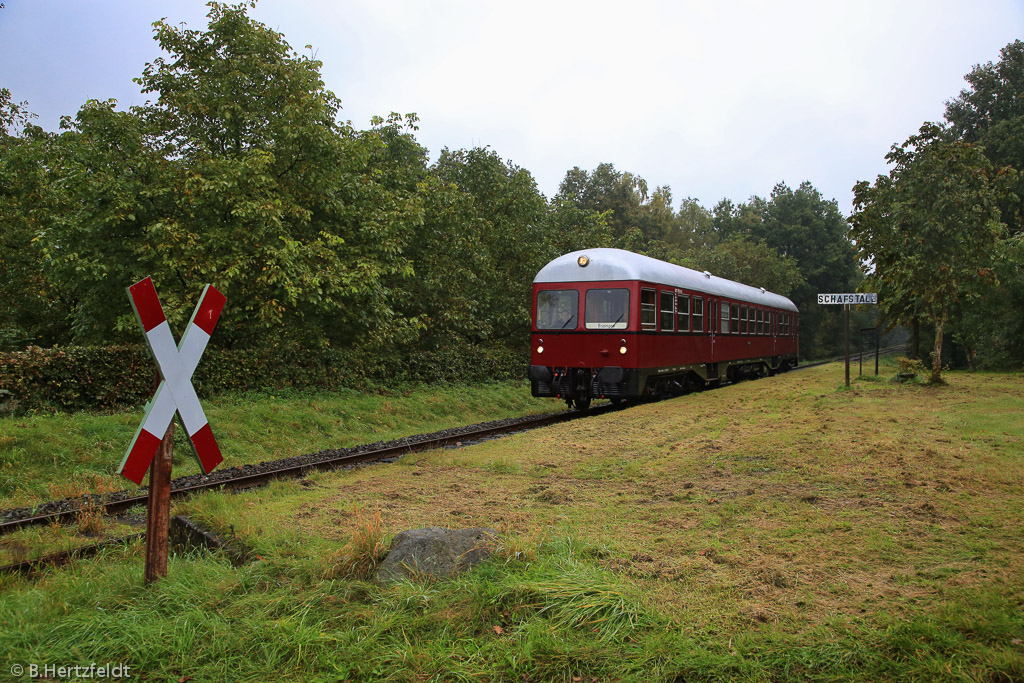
x=990, y=114
x=625, y=198
x=32, y=309
x=569, y=228
x=694, y=228
x=508, y=213
x=929, y=228
x=239, y=174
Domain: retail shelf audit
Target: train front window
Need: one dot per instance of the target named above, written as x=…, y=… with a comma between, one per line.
x=557, y=309
x=607, y=309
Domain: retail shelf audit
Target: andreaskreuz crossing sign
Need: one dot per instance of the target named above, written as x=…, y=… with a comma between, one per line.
x=175, y=393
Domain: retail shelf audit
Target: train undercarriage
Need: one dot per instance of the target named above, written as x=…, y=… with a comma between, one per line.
x=579, y=386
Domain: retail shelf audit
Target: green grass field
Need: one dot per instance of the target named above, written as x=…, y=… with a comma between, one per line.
x=781, y=530
x=45, y=457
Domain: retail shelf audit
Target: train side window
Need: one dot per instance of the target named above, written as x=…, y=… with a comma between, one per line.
x=668, y=311
x=743, y=320
x=725, y=318
x=698, y=314
x=760, y=321
x=648, y=309
x=557, y=309
x=735, y=318
x=683, y=310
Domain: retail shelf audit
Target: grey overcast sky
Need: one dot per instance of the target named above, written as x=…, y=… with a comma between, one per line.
x=714, y=99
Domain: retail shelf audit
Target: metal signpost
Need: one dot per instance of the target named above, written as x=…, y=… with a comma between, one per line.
x=876, y=333
x=152, y=446
x=848, y=300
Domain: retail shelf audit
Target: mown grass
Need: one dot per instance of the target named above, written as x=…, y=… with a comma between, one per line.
x=780, y=530
x=45, y=457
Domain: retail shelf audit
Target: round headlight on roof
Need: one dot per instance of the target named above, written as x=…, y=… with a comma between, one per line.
x=583, y=261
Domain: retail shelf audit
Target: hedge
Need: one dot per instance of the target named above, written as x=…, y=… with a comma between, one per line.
x=73, y=378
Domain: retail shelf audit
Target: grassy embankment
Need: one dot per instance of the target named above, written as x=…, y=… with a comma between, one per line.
x=48, y=457
x=777, y=530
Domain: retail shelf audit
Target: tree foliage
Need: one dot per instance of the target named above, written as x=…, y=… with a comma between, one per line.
x=930, y=229
x=942, y=231
x=32, y=309
x=237, y=174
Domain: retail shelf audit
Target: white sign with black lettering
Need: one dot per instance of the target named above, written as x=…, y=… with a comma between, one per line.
x=855, y=298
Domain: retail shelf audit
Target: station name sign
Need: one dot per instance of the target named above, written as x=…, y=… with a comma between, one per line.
x=855, y=298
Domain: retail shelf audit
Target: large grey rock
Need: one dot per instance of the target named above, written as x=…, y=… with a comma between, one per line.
x=435, y=552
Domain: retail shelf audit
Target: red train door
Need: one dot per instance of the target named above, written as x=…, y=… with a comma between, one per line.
x=712, y=323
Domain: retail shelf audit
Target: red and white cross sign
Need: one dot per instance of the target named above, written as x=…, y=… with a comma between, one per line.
x=176, y=363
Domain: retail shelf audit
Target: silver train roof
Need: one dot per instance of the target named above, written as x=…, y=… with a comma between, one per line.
x=618, y=264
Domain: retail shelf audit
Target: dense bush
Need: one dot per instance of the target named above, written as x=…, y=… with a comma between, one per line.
x=103, y=378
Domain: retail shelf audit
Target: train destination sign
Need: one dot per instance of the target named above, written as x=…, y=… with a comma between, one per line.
x=854, y=298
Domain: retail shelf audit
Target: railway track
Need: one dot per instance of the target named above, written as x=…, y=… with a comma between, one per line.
x=250, y=476
x=854, y=357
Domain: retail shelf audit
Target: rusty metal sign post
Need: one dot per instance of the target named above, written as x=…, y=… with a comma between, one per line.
x=877, y=334
x=152, y=446
x=848, y=300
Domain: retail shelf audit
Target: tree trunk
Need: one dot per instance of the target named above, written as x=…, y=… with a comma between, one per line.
x=915, y=339
x=936, y=377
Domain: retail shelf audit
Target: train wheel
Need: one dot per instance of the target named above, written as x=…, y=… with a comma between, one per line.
x=581, y=390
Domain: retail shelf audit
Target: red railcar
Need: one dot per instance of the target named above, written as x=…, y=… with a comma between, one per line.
x=609, y=323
